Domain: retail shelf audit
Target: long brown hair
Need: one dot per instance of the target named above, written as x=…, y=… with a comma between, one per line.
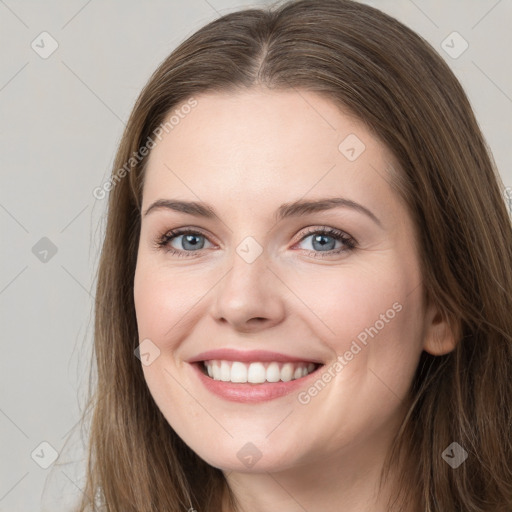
x=390, y=78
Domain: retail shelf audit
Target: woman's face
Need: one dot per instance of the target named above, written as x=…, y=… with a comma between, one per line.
x=257, y=291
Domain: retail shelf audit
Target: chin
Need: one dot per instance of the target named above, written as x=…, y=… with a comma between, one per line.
x=252, y=457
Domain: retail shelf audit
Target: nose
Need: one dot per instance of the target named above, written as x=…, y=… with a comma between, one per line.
x=250, y=296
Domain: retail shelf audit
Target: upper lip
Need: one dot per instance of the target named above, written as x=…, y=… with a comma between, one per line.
x=249, y=356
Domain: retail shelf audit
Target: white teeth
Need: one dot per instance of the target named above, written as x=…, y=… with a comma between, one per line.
x=238, y=372
x=273, y=372
x=225, y=371
x=257, y=373
x=287, y=372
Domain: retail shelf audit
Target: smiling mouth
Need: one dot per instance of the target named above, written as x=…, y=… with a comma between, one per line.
x=256, y=372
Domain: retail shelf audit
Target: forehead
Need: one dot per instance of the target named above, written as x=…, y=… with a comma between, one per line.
x=261, y=144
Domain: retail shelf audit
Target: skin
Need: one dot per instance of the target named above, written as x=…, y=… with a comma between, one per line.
x=245, y=154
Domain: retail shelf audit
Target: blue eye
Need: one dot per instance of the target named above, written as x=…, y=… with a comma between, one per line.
x=323, y=241
x=191, y=241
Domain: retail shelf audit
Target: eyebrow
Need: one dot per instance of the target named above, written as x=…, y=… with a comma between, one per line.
x=294, y=209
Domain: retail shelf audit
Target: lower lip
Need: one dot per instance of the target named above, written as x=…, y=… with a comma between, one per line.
x=247, y=392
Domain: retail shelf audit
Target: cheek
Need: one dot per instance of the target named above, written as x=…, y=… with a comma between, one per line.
x=372, y=316
x=164, y=304
x=348, y=300
x=164, y=300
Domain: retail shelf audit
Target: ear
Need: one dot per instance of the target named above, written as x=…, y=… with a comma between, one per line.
x=441, y=335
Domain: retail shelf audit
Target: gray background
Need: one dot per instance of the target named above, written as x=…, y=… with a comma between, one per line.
x=61, y=120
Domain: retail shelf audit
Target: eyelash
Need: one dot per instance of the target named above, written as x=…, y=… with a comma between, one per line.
x=349, y=243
